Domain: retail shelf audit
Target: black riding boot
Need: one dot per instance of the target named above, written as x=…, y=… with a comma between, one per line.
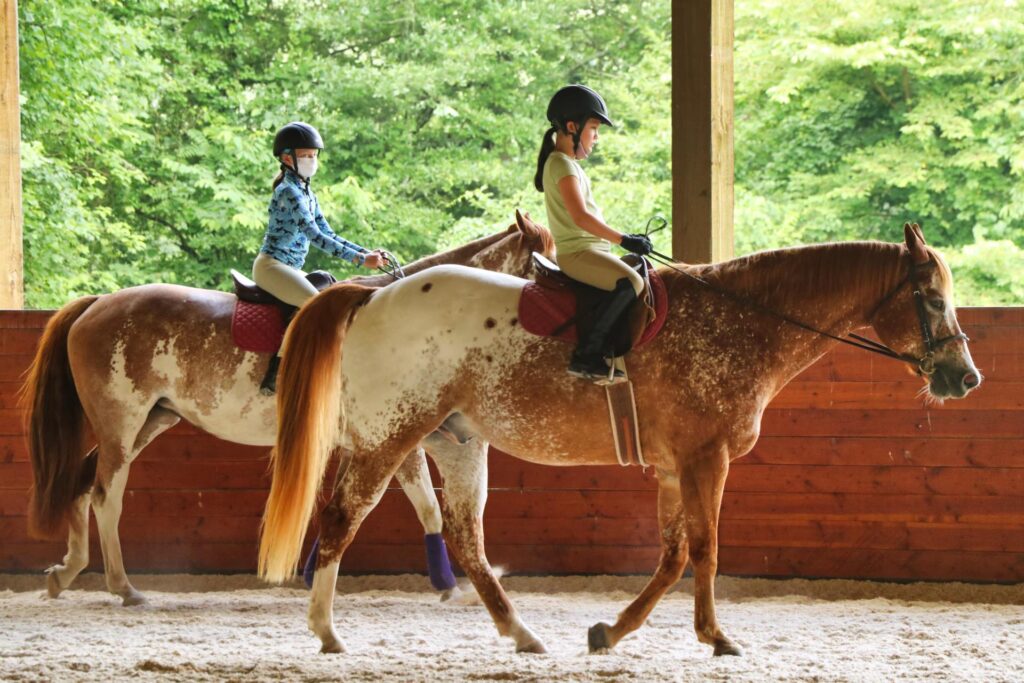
x=588, y=359
x=268, y=387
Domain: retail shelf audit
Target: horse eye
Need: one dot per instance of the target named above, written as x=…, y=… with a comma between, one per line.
x=938, y=304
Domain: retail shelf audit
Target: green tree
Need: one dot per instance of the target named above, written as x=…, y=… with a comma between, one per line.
x=432, y=114
x=853, y=117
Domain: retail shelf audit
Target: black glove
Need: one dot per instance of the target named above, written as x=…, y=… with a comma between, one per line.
x=638, y=244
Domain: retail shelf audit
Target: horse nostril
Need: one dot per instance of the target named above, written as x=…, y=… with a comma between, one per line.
x=971, y=380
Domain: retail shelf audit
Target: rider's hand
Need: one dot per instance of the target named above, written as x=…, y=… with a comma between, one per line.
x=374, y=260
x=637, y=243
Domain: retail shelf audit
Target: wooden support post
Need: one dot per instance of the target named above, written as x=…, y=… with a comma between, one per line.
x=12, y=293
x=702, y=130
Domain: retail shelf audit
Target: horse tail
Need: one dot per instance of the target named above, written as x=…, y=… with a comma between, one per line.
x=310, y=417
x=54, y=425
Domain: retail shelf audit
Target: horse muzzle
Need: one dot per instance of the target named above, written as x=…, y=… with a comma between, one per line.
x=953, y=381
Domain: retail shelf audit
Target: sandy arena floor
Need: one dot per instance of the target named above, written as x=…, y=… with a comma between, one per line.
x=214, y=628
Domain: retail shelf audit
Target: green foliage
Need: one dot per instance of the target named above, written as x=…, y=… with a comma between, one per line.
x=853, y=117
x=155, y=164
x=147, y=126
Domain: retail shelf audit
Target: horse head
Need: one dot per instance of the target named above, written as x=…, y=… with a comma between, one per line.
x=917, y=319
x=513, y=253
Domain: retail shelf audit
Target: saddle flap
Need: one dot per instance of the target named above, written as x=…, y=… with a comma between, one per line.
x=246, y=290
x=548, y=273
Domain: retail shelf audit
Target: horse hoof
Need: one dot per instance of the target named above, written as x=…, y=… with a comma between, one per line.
x=452, y=594
x=53, y=587
x=333, y=647
x=598, y=637
x=727, y=647
x=534, y=648
x=132, y=598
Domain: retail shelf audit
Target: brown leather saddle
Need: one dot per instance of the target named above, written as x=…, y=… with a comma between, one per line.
x=259, y=318
x=558, y=306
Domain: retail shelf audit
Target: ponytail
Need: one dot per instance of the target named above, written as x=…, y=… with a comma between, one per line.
x=278, y=178
x=547, y=146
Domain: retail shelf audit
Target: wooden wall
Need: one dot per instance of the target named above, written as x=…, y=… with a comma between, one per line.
x=853, y=477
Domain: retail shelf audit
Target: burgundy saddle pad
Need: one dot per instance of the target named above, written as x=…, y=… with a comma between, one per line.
x=546, y=310
x=257, y=327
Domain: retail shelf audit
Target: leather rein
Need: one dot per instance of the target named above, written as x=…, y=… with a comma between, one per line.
x=924, y=365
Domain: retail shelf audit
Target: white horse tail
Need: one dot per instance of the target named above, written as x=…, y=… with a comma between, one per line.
x=310, y=417
x=55, y=425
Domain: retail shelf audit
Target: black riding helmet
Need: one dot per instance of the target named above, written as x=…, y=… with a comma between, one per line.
x=574, y=102
x=577, y=103
x=297, y=135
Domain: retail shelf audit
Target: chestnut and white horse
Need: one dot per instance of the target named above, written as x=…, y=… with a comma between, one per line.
x=133, y=363
x=450, y=342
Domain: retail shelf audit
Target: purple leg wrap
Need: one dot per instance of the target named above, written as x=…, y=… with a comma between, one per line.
x=310, y=568
x=441, y=576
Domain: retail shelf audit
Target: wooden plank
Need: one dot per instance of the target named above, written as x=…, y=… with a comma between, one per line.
x=12, y=368
x=19, y=341
x=567, y=505
x=184, y=450
x=941, y=422
x=892, y=396
x=12, y=293
x=830, y=534
x=976, y=452
x=36, y=319
x=860, y=563
x=879, y=479
x=873, y=507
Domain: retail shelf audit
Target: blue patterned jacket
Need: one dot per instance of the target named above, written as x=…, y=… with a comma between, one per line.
x=296, y=222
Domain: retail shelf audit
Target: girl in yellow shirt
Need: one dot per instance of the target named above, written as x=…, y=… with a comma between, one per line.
x=582, y=239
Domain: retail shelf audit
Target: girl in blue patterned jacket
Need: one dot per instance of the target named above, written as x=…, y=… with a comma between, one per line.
x=296, y=222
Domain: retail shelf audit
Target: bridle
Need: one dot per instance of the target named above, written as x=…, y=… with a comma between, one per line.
x=924, y=365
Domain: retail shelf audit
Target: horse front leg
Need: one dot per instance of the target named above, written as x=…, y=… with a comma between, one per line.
x=464, y=470
x=671, y=565
x=702, y=481
x=414, y=476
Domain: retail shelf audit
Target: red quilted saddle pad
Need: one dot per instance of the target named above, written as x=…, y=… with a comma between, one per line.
x=257, y=327
x=542, y=310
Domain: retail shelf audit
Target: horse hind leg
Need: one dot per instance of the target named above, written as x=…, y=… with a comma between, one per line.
x=107, y=501
x=414, y=477
x=60, y=576
x=671, y=564
x=357, y=492
x=464, y=470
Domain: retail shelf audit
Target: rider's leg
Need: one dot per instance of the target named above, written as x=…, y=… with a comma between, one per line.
x=602, y=270
x=290, y=286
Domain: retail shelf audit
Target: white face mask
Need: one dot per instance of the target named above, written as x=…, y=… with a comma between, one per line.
x=307, y=167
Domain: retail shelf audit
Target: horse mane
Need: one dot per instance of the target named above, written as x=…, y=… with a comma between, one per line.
x=458, y=254
x=876, y=267
x=461, y=254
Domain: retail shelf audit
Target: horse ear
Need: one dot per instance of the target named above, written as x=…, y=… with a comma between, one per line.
x=915, y=243
x=520, y=221
x=920, y=233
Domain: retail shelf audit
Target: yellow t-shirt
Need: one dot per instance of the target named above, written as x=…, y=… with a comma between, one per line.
x=569, y=237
